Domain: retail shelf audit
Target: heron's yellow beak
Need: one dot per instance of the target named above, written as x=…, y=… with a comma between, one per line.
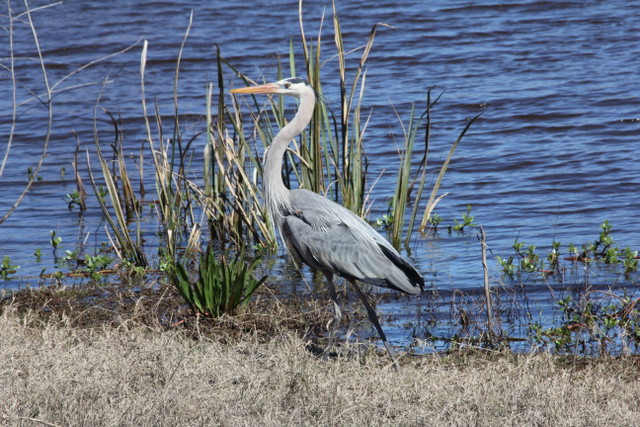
x=268, y=88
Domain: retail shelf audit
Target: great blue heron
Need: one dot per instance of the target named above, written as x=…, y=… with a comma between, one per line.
x=326, y=236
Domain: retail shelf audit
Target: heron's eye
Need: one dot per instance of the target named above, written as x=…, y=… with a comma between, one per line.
x=287, y=85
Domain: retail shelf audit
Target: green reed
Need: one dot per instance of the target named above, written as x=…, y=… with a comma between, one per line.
x=341, y=139
x=170, y=158
x=124, y=205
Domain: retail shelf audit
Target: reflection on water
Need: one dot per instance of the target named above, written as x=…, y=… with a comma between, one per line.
x=553, y=155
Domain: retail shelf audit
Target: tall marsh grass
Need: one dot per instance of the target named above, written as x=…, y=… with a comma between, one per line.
x=123, y=202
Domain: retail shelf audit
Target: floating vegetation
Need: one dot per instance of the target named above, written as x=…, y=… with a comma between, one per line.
x=603, y=250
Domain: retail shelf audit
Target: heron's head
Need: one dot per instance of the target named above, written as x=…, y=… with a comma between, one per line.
x=293, y=86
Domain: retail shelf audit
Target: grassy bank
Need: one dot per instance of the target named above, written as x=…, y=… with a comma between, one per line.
x=70, y=364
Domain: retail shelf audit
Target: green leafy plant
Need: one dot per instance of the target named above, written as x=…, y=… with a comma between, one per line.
x=554, y=255
x=573, y=252
x=530, y=261
x=94, y=264
x=611, y=256
x=604, y=249
x=598, y=322
x=98, y=262
x=7, y=268
x=630, y=260
x=102, y=192
x=385, y=221
x=507, y=265
x=467, y=221
x=601, y=250
x=54, y=240
x=71, y=256
x=605, y=240
x=74, y=199
x=222, y=285
x=435, y=221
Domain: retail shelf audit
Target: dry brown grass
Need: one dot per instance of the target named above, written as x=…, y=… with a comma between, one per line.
x=55, y=372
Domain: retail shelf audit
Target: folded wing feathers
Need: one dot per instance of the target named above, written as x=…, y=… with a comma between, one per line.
x=330, y=237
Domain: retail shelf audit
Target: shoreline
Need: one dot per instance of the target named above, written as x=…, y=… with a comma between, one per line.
x=70, y=367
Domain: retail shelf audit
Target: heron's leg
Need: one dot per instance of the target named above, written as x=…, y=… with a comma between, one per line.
x=373, y=317
x=337, y=313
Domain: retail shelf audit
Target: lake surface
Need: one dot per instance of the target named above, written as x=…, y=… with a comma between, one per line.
x=553, y=155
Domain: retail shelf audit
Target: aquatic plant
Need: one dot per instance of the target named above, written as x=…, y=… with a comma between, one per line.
x=602, y=249
x=630, y=260
x=74, y=199
x=7, y=268
x=599, y=323
x=507, y=265
x=169, y=157
x=554, y=255
x=123, y=204
x=94, y=264
x=223, y=283
x=230, y=196
x=467, y=221
x=54, y=240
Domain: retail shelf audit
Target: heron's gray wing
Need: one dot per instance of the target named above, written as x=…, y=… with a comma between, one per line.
x=331, y=238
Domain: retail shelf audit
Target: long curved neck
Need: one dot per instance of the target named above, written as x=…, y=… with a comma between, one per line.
x=275, y=191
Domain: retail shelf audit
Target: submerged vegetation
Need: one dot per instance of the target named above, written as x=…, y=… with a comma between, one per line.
x=214, y=232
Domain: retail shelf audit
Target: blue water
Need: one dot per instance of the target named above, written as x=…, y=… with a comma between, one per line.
x=553, y=155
